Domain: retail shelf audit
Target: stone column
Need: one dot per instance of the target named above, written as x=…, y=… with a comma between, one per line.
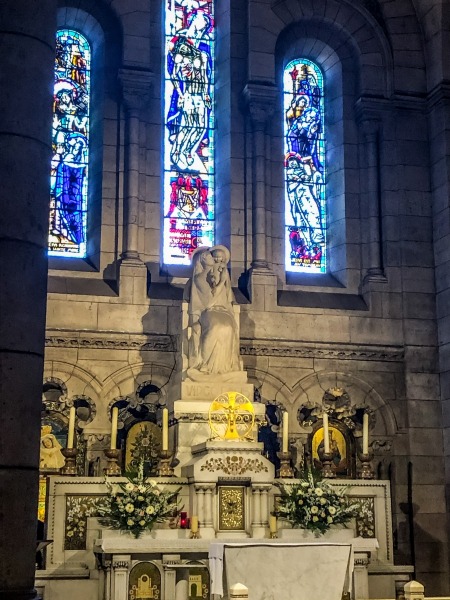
x=182, y=586
x=208, y=504
x=170, y=577
x=256, y=507
x=370, y=128
x=265, y=506
x=136, y=86
x=120, y=567
x=260, y=99
x=361, y=575
x=27, y=38
x=200, y=496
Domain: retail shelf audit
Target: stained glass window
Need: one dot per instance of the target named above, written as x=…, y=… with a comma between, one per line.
x=189, y=129
x=304, y=167
x=70, y=143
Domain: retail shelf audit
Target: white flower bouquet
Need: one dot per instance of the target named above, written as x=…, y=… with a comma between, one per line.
x=137, y=504
x=313, y=504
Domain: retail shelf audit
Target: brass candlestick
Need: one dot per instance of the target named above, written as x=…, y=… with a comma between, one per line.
x=327, y=470
x=70, y=467
x=366, y=472
x=273, y=535
x=285, y=471
x=113, y=469
x=194, y=535
x=164, y=467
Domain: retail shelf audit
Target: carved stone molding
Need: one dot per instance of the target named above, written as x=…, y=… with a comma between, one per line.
x=136, y=85
x=260, y=99
x=157, y=343
x=343, y=352
x=234, y=465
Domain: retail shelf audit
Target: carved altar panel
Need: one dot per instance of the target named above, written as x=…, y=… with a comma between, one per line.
x=144, y=582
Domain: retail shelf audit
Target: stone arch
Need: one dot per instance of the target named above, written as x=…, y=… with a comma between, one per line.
x=331, y=22
x=78, y=381
x=312, y=388
x=271, y=386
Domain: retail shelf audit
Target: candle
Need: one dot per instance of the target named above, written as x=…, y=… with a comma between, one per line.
x=326, y=434
x=285, y=432
x=272, y=524
x=71, y=432
x=366, y=433
x=114, y=423
x=165, y=430
x=194, y=524
x=183, y=520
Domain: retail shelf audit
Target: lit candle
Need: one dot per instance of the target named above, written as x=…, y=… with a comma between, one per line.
x=326, y=434
x=272, y=524
x=71, y=432
x=165, y=430
x=194, y=524
x=284, y=447
x=366, y=433
x=114, y=423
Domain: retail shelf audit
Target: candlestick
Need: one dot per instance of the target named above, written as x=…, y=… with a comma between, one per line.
x=326, y=434
x=71, y=432
x=366, y=433
x=165, y=430
x=284, y=447
x=114, y=423
x=273, y=526
x=194, y=528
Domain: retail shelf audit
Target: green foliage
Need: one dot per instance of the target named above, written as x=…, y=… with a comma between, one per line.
x=137, y=504
x=313, y=504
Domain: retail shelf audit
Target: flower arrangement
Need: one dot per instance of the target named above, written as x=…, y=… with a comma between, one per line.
x=313, y=504
x=138, y=504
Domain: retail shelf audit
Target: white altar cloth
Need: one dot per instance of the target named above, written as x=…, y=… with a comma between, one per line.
x=273, y=570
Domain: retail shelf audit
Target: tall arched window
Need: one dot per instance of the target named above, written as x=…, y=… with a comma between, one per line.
x=304, y=167
x=189, y=130
x=70, y=141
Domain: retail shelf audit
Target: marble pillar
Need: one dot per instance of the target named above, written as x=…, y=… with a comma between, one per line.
x=27, y=36
x=136, y=87
x=260, y=100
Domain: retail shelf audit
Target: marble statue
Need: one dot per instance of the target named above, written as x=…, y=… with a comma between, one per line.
x=213, y=345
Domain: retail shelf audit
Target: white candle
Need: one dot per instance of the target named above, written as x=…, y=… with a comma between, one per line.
x=165, y=430
x=194, y=524
x=366, y=433
x=326, y=434
x=284, y=446
x=272, y=524
x=114, y=423
x=71, y=432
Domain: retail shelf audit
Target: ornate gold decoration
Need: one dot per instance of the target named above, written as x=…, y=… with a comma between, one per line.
x=231, y=417
x=234, y=465
x=231, y=508
x=365, y=521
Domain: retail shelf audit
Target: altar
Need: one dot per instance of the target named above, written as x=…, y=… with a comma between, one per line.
x=227, y=457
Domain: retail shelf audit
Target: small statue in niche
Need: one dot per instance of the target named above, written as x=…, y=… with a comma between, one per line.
x=213, y=345
x=50, y=451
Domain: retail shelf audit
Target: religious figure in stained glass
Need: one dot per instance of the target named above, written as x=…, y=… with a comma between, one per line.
x=304, y=167
x=188, y=146
x=70, y=143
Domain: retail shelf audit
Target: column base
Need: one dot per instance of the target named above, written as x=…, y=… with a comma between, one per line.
x=262, y=288
x=133, y=281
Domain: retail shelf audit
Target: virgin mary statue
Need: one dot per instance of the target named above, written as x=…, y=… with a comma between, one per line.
x=213, y=346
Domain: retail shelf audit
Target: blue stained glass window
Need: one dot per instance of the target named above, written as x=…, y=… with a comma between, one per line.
x=189, y=129
x=70, y=143
x=304, y=167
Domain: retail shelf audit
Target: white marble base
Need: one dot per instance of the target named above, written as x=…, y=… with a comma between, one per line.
x=305, y=535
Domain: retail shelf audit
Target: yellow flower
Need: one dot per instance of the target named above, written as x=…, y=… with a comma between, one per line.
x=329, y=519
x=129, y=487
x=314, y=510
x=318, y=492
x=130, y=522
x=315, y=519
x=323, y=501
x=142, y=522
x=141, y=498
x=149, y=510
x=331, y=510
x=129, y=508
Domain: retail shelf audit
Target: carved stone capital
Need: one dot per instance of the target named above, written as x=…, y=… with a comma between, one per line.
x=136, y=86
x=260, y=100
